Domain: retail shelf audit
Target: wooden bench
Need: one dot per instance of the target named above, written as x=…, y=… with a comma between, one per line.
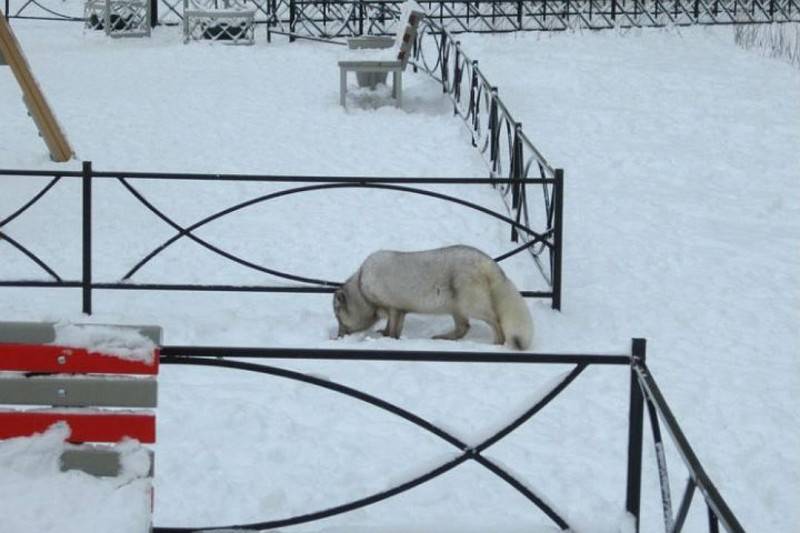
x=373, y=66
x=232, y=21
x=49, y=375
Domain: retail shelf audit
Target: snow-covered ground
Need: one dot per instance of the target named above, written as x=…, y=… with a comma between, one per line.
x=682, y=226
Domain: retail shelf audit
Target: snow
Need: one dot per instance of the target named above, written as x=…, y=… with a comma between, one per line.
x=38, y=497
x=681, y=158
x=123, y=343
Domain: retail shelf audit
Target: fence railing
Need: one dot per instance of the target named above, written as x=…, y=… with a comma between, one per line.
x=509, y=154
x=544, y=242
x=643, y=392
x=321, y=18
x=344, y=18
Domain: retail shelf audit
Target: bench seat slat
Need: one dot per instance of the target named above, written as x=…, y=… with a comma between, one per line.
x=100, y=461
x=371, y=64
x=79, y=391
x=66, y=360
x=96, y=426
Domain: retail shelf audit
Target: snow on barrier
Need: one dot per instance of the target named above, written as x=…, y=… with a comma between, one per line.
x=97, y=380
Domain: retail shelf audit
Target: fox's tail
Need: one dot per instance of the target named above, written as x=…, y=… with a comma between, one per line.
x=515, y=319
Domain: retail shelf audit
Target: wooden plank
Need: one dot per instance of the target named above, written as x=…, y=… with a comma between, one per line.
x=65, y=360
x=79, y=391
x=85, y=425
x=45, y=333
x=49, y=128
x=101, y=461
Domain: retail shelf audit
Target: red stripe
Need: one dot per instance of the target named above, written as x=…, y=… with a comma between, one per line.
x=99, y=427
x=60, y=359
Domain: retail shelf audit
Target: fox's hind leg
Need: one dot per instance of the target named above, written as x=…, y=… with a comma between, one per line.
x=499, y=336
x=461, y=329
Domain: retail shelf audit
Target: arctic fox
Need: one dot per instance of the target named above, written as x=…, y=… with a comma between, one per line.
x=457, y=280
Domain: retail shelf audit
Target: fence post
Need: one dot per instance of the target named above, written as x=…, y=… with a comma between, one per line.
x=292, y=20
x=515, y=174
x=635, y=422
x=153, y=13
x=86, y=283
x=558, y=237
x=494, y=133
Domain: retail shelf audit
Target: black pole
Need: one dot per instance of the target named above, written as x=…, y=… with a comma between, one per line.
x=635, y=422
x=558, y=237
x=292, y=20
x=153, y=13
x=87, y=237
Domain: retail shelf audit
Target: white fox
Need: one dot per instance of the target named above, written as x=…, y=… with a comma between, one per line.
x=457, y=280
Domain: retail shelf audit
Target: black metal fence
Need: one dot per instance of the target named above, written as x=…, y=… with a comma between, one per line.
x=644, y=392
x=543, y=244
x=345, y=18
x=321, y=18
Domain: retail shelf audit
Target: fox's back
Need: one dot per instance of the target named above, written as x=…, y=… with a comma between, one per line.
x=423, y=281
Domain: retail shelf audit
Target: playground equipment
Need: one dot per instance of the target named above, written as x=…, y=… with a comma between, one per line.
x=73, y=374
x=39, y=110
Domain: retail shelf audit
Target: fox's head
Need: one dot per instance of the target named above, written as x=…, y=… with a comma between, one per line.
x=352, y=311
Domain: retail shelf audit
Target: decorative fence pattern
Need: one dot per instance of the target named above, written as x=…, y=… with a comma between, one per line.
x=318, y=18
x=643, y=392
x=544, y=243
x=509, y=154
x=344, y=18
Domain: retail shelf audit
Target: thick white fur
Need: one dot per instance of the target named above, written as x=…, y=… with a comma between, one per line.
x=458, y=280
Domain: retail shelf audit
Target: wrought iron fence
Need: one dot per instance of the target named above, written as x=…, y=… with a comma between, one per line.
x=544, y=243
x=509, y=154
x=643, y=392
x=344, y=18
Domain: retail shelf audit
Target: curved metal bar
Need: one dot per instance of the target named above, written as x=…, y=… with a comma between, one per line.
x=468, y=453
x=60, y=16
x=535, y=408
x=30, y=255
x=525, y=491
x=522, y=247
x=187, y=232
x=30, y=202
x=322, y=383
x=332, y=511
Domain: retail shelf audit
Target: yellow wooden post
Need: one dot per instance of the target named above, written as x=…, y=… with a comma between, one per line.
x=32, y=95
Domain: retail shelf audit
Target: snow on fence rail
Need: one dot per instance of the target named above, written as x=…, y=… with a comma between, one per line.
x=543, y=243
x=644, y=392
x=345, y=18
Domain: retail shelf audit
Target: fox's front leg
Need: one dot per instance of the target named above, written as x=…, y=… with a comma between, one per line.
x=395, y=323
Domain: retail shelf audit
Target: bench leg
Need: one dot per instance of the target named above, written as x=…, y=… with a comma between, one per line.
x=342, y=86
x=397, y=87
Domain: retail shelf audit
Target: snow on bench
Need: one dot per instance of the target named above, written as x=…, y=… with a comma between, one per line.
x=72, y=375
x=219, y=20
x=374, y=65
